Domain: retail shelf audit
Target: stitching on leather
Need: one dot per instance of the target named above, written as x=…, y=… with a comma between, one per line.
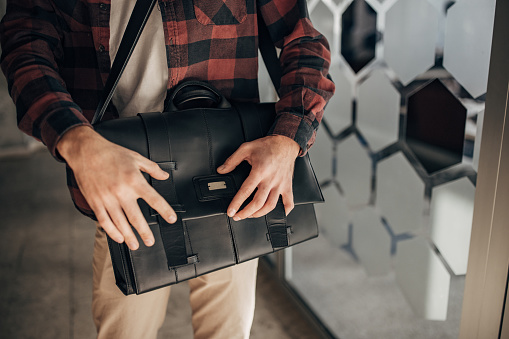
x=124, y=268
x=268, y=231
x=110, y=244
x=190, y=245
x=168, y=138
x=209, y=142
x=233, y=241
x=134, y=272
x=188, y=237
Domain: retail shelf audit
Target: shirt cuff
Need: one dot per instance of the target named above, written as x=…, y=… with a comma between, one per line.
x=295, y=128
x=57, y=124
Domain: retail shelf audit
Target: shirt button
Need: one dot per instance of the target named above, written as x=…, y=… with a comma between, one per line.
x=101, y=48
x=103, y=7
x=171, y=41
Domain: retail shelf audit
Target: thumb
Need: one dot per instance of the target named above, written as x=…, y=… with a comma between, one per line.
x=233, y=161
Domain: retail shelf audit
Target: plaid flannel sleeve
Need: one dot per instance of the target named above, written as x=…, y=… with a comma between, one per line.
x=31, y=46
x=306, y=85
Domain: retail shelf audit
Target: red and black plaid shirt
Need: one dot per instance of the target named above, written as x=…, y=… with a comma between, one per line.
x=56, y=60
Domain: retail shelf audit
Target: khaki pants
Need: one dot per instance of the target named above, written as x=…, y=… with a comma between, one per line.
x=222, y=302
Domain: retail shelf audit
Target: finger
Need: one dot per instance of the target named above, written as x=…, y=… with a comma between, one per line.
x=136, y=218
x=288, y=202
x=256, y=204
x=234, y=160
x=270, y=204
x=151, y=168
x=120, y=221
x=105, y=221
x=244, y=192
x=157, y=202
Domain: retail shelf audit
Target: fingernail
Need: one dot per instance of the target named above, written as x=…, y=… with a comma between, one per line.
x=149, y=242
x=133, y=246
x=119, y=240
x=220, y=168
x=172, y=219
x=231, y=212
x=236, y=218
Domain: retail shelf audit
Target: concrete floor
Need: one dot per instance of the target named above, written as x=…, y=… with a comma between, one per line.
x=45, y=265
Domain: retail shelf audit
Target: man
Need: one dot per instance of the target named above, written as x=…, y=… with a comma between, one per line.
x=56, y=57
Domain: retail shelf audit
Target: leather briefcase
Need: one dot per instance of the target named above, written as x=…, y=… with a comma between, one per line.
x=198, y=131
x=190, y=144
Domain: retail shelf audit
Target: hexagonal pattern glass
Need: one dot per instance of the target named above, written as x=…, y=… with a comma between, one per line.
x=411, y=33
x=339, y=109
x=354, y=171
x=436, y=126
x=333, y=217
x=358, y=34
x=382, y=261
x=422, y=278
x=468, y=43
x=323, y=21
x=321, y=155
x=378, y=111
x=441, y=5
x=371, y=242
x=400, y=194
x=452, y=209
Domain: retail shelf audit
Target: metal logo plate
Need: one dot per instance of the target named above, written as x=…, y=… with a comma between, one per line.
x=217, y=185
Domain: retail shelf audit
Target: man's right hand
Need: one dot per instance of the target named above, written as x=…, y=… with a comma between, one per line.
x=109, y=177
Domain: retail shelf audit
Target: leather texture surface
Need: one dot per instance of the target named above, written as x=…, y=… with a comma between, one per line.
x=191, y=144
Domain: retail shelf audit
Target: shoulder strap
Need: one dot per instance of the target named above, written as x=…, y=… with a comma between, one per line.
x=137, y=21
x=268, y=51
x=135, y=26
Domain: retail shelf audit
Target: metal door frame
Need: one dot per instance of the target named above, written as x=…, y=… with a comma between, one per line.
x=488, y=263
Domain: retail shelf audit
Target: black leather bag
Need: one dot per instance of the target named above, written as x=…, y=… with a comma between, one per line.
x=189, y=141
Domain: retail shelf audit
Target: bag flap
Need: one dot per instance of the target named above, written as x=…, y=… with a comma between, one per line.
x=200, y=140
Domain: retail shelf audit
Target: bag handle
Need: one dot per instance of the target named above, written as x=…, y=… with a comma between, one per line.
x=135, y=26
x=191, y=94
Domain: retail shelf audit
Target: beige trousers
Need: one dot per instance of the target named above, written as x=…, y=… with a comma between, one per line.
x=222, y=302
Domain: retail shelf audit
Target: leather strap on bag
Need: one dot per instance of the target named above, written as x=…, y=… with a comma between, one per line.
x=172, y=235
x=277, y=227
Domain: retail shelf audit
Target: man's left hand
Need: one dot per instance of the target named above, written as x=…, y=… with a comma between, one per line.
x=272, y=161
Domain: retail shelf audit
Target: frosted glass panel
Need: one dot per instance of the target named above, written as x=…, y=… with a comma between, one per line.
x=354, y=171
x=323, y=20
x=411, y=33
x=403, y=147
x=468, y=43
x=378, y=111
x=371, y=242
x=423, y=279
x=321, y=155
x=333, y=217
x=452, y=209
x=339, y=109
x=400, y=194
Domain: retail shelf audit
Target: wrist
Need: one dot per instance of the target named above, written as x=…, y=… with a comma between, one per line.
x=70, y=142
x=290, y=145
